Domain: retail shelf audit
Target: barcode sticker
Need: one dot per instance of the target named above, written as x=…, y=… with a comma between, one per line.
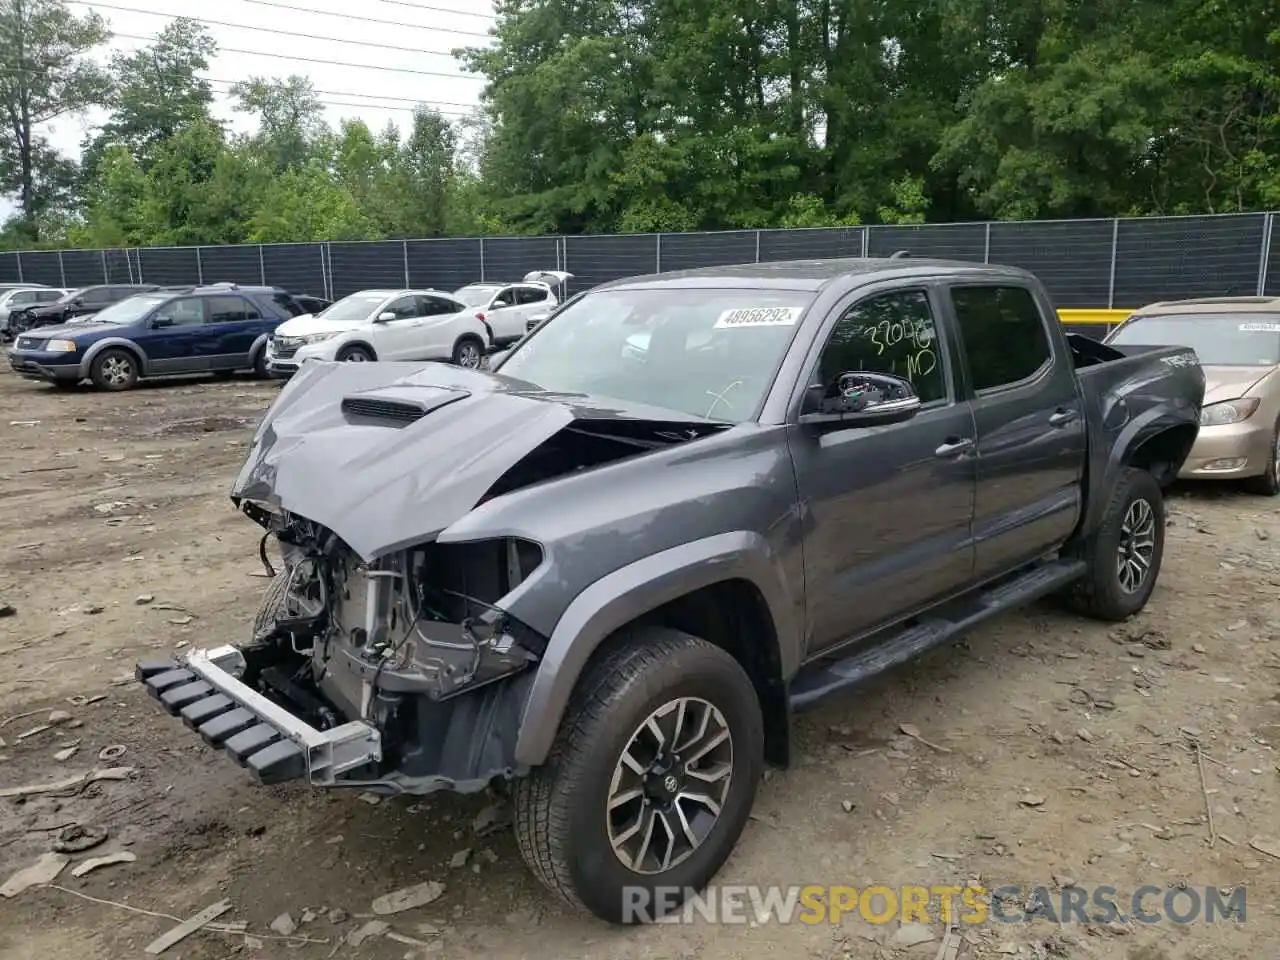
x=1259, y=328
x=759, y=317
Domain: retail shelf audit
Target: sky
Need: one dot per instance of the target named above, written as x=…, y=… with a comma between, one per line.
x=369, y=89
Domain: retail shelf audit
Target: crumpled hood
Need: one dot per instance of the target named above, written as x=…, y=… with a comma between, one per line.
x=1230, y=383
x=382, y=485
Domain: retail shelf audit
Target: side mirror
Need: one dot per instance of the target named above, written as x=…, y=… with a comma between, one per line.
x=861, y=399
x=498, y=305
x=386, y=316
x=159, y=322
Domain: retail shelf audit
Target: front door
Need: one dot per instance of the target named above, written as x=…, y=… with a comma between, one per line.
x=1031, y=428
x=888, y=508
x=172, y=336
x=507, y=320
x=398, y=339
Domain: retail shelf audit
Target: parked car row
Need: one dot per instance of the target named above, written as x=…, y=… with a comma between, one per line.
x=116, y=334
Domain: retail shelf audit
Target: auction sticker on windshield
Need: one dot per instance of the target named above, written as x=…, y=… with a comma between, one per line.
x=759, y=317
x=1259, y=328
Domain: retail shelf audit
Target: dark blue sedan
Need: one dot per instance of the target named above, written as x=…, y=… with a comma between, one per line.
x=216, y=330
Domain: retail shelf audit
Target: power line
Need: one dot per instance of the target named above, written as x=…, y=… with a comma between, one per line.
x=370, y=19
x=93, y=4
x=375, y=96
x=423, y=6
x=328, y=63
x=433, y=105
x=391, y=23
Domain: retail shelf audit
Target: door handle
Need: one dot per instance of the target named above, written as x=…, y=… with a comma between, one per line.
x=1062, y=416
x=953, y=448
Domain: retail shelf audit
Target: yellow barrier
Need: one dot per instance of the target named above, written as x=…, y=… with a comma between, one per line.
x=1103, y=317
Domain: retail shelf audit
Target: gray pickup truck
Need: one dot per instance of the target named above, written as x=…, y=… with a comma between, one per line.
x=605, y=574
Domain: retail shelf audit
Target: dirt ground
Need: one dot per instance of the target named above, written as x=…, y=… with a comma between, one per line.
x=1060, y=746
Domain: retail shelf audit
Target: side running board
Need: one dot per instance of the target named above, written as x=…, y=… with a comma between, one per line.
x=826, y=678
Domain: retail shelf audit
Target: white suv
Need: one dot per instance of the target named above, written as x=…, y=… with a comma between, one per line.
x=382, y=325
x=508, y=308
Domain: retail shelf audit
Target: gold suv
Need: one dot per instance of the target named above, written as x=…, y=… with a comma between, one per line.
x=1238, y=342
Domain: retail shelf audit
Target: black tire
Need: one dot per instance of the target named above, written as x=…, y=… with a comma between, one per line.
x=114, y=369
x=260, y=365
x=1268, y=483
x=560, y=818
x=357, y=353
x=1102, y=594
x=468, y=352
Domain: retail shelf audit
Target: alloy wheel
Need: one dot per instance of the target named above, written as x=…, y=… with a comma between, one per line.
x=670, y=785
x=116, y=371
x=1137, y=546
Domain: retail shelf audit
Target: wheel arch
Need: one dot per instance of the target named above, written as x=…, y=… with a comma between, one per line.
x=352, y=344
x=259, y=345
x=724, y=589
x=120, y=343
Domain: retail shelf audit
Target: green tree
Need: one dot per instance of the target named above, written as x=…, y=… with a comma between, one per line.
x=45, y=73
x=158, y=92
x=290, y=116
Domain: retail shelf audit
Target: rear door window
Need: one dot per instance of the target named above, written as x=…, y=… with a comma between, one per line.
x=231, y=310
x=1003, y=333
x=185, y=312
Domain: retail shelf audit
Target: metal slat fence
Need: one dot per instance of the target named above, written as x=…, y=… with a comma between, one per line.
x=1114, y=263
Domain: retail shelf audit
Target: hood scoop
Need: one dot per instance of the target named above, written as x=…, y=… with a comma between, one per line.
x=398, y=406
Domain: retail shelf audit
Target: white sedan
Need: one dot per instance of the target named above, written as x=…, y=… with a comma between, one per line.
x=382, y=325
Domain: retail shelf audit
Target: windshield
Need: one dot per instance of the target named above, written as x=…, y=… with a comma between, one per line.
x=358, y=306
x=705, y=353
x=477, y=294
x=1219, y=339
x=125, y=311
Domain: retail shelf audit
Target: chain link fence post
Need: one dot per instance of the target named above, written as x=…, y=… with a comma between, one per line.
x=262, y=266
x=757, y=246
x=106, y=274
x=866, y=242
x=199, y=268
x=404, y=249
x=482, y=259
x=19, y=259
x=657, y=253
x=986, y=244
x=1115, y=247
x=1264, y=255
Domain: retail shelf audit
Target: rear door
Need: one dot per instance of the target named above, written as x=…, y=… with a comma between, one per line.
x=1030, y=424
x=888, y=508
x=172, y=336
x=232, y=324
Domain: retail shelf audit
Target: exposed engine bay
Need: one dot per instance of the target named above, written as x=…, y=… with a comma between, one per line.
x=393, y=642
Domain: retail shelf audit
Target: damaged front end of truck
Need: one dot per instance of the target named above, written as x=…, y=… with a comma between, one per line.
x=389, y=656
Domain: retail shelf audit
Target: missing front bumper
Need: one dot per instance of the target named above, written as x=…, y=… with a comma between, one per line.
x=203, y=688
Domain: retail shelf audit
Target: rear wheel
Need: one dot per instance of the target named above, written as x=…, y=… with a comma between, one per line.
x=468, y=352
x=1268, y=484
x=356, y=354
x=114, y=370
x=1125, y=552
x=650, y=780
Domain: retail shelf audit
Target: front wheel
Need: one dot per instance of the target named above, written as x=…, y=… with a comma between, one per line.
x=1268, y=484
x=355, y=355
x=1125, y=552
x=650, y=780
x=114, y=370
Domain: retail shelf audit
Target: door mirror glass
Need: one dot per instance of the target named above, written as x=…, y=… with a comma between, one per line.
x=859, y=398
x=498, y=305
x=160, y=322
x=385, y=316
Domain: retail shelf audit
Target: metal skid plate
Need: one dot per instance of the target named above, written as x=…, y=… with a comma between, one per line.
x=203, y=689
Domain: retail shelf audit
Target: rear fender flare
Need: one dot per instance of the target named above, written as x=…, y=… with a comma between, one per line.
x=86, y=362
x=1148, y=424
x=631, y=591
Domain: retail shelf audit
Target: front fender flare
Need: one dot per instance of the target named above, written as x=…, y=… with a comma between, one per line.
x=625, y=594
x=86, y=362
